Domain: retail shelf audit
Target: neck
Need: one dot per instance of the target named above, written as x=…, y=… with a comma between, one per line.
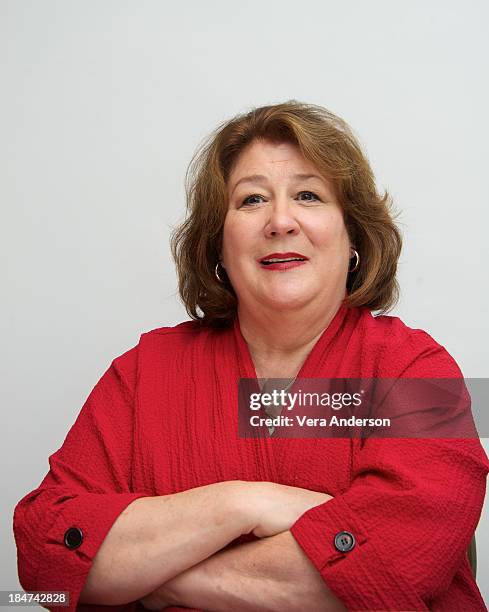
x=280, y=341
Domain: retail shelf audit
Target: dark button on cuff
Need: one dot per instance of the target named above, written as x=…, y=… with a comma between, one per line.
x=73, y=538
x=344, y=541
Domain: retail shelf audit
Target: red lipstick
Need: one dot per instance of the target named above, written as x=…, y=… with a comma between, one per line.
x=282, y=261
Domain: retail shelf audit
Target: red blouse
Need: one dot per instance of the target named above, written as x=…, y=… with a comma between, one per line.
x=163, y=419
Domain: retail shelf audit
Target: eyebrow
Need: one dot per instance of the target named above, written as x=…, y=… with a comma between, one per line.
x=260, y=178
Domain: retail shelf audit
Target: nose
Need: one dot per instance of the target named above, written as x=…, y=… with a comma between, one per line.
x=282, y=220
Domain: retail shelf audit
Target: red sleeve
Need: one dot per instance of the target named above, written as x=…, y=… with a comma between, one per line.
x=85, y=490
x=412, y=508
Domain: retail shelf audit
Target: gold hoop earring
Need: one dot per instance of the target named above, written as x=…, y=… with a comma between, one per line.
x=216, y=272
x=357, y=262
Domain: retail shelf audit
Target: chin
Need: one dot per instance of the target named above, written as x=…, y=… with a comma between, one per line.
x=286, y=301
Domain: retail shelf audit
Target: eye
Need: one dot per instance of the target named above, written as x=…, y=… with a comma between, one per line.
x=248, y=200
x=308, y=193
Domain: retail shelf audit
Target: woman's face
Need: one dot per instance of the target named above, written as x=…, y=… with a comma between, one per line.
x=280, y=209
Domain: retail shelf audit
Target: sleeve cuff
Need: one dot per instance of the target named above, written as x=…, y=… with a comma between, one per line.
x=91, y=515
x=358, y=577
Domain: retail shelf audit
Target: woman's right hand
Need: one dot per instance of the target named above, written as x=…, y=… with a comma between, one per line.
x=272, y=508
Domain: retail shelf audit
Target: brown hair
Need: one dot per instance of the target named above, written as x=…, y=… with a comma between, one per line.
x=326, y=141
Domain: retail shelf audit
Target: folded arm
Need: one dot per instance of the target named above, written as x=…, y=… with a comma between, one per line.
x=128, y=543
x=406, y=550
x=271, y=574
x=84, y=530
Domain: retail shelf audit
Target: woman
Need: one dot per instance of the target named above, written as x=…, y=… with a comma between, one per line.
x=153, y=496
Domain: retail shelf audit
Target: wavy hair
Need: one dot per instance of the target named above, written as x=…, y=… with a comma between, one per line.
x=328, y=142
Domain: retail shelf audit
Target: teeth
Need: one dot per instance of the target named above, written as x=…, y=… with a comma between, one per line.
x=274, y=260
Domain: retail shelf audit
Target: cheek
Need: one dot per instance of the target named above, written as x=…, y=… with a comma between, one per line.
x=330, y=233
x=239, y=236
x=234, y=243
x=228, y=232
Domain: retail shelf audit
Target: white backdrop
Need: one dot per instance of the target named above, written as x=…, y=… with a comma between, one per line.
x=104, y=102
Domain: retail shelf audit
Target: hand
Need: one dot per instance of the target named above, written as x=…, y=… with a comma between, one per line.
x=273, y=508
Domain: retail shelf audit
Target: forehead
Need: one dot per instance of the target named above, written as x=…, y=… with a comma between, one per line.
x=263, y=156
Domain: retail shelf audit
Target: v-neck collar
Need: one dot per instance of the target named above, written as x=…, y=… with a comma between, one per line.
x=312, y=361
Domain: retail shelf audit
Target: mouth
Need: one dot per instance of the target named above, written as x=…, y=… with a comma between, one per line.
x=282, y=261
x=273, y=258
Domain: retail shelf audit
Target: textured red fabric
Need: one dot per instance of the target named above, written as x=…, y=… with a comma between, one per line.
x=163, y=419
